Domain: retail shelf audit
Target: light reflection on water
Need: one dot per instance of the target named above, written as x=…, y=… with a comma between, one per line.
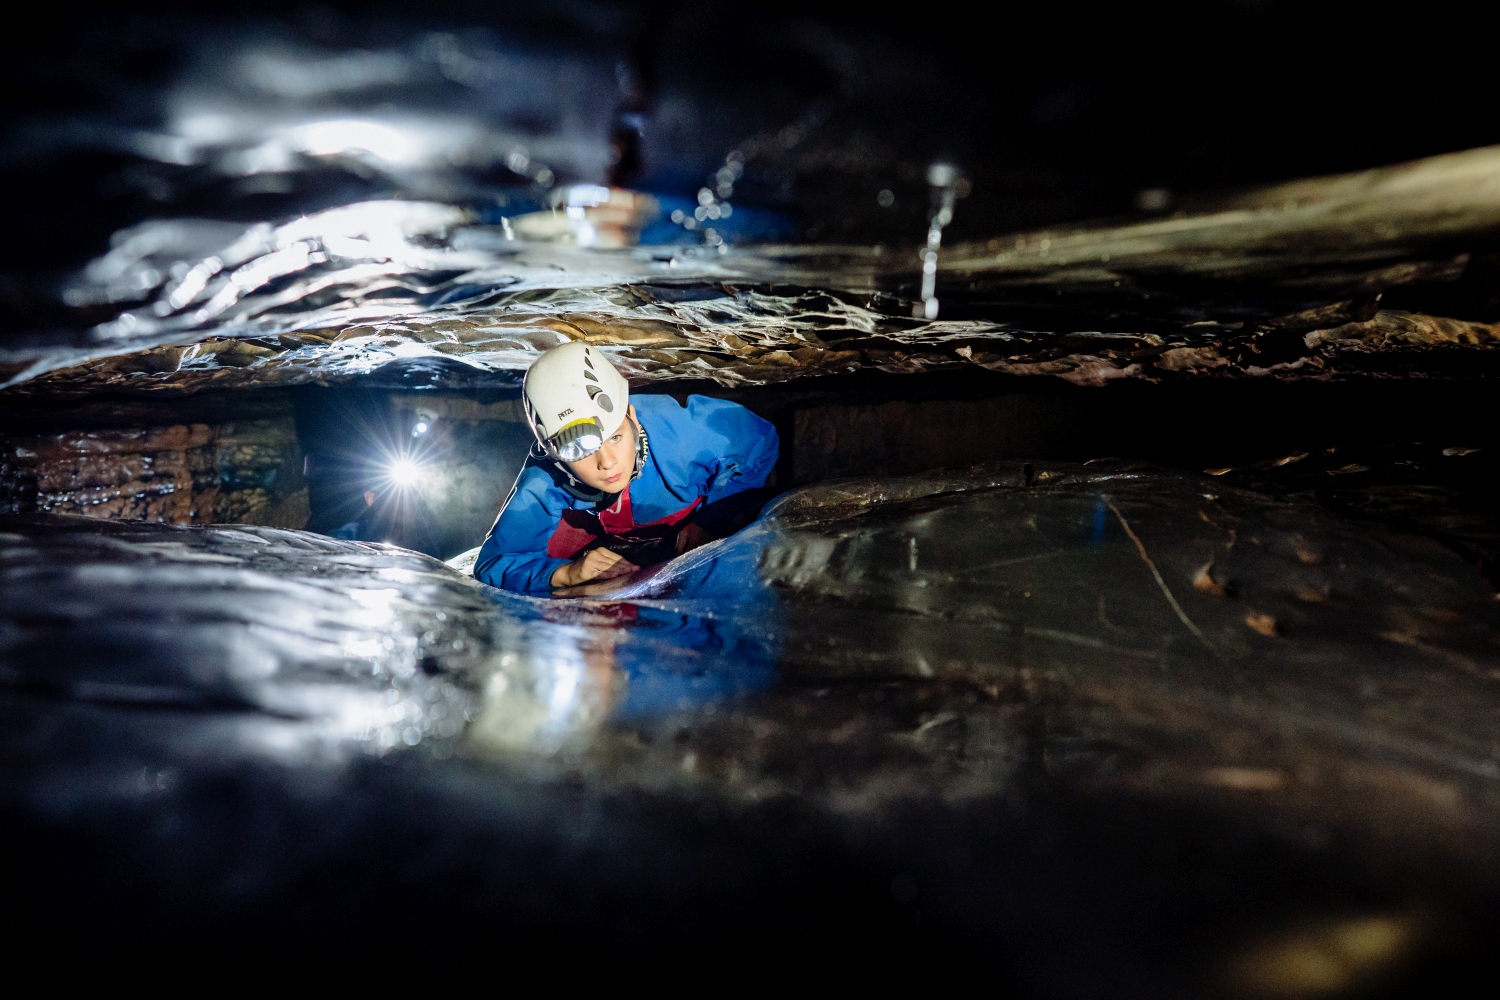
x=349, y=289
x=556, y=684
x=439, y=188
x=569, y=666
x=445, y=178
x=405, y=177
x=346, y=643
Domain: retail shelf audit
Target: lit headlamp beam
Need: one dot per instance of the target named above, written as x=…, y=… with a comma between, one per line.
x=404, y=472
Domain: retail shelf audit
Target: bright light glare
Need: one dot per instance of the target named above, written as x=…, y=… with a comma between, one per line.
x=404, y=472
x=420, y=428
x=353, y=135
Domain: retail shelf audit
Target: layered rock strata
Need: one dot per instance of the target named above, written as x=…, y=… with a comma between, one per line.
x=248, y=472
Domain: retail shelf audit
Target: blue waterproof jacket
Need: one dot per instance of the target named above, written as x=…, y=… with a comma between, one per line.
x=705, y=451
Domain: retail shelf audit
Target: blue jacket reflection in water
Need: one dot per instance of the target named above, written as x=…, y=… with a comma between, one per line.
x=698, y=456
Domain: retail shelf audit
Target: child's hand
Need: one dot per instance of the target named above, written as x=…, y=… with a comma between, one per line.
x=595, y=564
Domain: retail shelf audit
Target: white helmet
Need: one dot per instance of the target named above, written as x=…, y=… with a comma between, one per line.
x=574, y=400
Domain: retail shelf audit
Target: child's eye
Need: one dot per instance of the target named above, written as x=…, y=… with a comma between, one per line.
x=616, y=439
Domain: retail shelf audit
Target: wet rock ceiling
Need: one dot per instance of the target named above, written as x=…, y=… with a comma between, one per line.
x=1388, y=272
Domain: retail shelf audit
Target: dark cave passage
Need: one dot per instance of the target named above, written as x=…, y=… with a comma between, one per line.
x=1418, y=455
x=1124, y=619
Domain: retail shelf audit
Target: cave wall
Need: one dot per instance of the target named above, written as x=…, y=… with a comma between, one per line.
x=854, y=425
x=260, y=474
x=220, y=459
x=473, y=455
x=247, y=472
x=900, y=437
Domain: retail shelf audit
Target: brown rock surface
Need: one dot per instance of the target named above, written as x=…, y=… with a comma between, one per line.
x=173, y=474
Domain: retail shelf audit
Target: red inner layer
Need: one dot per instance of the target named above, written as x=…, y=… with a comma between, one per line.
x=580, y=529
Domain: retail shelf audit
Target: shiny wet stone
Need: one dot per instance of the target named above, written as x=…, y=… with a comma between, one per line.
x=1098, y=729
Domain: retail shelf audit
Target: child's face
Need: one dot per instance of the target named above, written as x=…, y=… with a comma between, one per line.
x=609, y=469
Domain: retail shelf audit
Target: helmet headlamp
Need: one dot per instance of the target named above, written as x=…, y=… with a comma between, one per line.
x=578, y=440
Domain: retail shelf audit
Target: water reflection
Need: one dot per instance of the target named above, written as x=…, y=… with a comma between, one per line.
x=931, y=577
x=345, y=291
x=899, y=658
x=432, y=110
x=573, y=664
x=552, y=685
x=958, y=579
x=353, y=644
x=347, y=643
x=316, y=294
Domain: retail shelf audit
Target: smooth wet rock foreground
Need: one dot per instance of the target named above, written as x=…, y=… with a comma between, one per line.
x=1103, y=729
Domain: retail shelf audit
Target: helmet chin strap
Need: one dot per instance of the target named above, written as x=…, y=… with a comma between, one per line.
x=642, y=451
